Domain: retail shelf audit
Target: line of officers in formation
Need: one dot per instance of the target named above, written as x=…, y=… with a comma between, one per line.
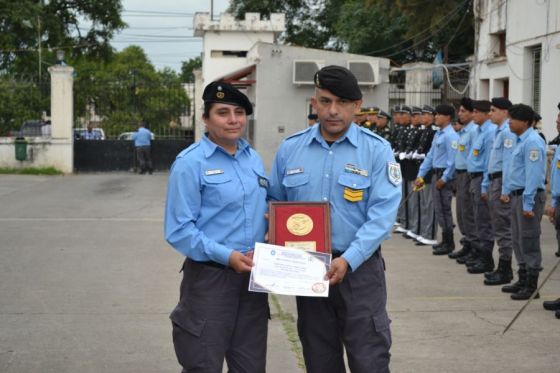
x=492, y=158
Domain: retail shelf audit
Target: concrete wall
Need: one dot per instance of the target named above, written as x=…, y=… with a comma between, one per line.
x=281, y=107
x=526, y=24
x=41, y=152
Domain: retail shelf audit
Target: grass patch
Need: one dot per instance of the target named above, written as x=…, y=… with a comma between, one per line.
x=31, y=171
x=290, y=328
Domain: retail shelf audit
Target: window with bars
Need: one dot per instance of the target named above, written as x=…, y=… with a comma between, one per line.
x=536, y=53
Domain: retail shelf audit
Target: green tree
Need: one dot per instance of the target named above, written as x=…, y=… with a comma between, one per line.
x=79, y=27
x=187, y=68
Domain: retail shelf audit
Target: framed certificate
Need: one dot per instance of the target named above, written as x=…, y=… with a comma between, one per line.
x=302, y=225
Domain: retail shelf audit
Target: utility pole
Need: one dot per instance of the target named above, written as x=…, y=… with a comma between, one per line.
x=211, y=10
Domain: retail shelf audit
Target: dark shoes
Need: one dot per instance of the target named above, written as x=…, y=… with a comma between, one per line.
x=552, y=305
x=484, y=264
x=502, y=275
x=529, y=288
x=515, y=287
x=447, y=244
x=458, y=254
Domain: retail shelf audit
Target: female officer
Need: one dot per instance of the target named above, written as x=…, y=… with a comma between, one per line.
x=214, y=214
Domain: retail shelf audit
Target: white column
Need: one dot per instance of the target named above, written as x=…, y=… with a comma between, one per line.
x=199, y=85
x=62, y=117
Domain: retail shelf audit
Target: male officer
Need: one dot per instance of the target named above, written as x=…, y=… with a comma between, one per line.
x=400, y=154
x=493, y=188
x=371, y=116
x=312, y=119
x=410, y=171
x=441, y=158
x=336, y=162
x=382, y=127
x=428, y=227
x=525, y=180
x=464, y=202
x=477, y=167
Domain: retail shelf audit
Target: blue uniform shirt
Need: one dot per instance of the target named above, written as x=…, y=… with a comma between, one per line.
x=142, y=137
x=464, y=145
x=357, y=175
x=477, y=160
x=500, y=155
x=555, y=177
x=215, y=201
x=527, y=168
x=442, y=153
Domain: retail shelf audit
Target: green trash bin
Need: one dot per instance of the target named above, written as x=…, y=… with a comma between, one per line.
x=21, y=149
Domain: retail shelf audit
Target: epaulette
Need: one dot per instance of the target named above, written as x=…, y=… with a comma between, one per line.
x=188, y=150
x=372, y=134
x=299, y=133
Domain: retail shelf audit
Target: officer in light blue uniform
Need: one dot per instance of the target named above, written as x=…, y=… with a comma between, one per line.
x=142, y=142
x=493, y=188
x=214, y=214
x=464, y=202
x=355, y=171
x=441, y=159
x=525, y=180
x=477, y=167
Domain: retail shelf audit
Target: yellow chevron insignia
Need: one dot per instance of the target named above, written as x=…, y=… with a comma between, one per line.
x=353, y=195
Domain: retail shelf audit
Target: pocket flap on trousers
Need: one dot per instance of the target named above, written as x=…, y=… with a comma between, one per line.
x=187, y=321
x=381, y=321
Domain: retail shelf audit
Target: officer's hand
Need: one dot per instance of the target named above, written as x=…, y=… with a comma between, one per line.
x=528, y=214
x=402, y=156
x=419, y=182
x=249, y=254
x=408, y=155
x=440, y=184
x=484, y=196
x=504, y=198
x=336, y=273
x=239, y=262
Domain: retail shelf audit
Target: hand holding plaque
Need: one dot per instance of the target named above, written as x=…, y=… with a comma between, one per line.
x=302, y=225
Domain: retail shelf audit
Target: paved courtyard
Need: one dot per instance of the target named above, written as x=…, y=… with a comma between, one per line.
x=87, y=283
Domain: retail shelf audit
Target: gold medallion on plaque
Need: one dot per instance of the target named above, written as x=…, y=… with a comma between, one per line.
x=299, y=224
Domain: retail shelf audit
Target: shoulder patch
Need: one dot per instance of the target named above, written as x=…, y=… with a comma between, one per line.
x=508, y=143
x=534, y=155
x=454, y=144
x=394, y=173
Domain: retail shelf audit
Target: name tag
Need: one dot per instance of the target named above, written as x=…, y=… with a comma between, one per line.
x=293, y=171
x=350, y=168
x=213, y=172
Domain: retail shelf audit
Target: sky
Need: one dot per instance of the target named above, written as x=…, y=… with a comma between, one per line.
x=163, y=28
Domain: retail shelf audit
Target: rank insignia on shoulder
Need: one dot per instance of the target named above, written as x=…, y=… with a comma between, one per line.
x=461, y=148
x=534, y=155
x=353, y=195
x=213, y=172
x=508, y=143
x=475, y=152
x=454, y=144
x=294, y=171
x=394, y=173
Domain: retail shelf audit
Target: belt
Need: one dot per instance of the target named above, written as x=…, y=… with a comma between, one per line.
x=475, y=174
x=519, y=192
x=495, y=175
x=209, y=264
x=459, y=172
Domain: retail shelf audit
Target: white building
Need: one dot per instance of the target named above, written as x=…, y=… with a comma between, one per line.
x=517, y=54
x=278, y=79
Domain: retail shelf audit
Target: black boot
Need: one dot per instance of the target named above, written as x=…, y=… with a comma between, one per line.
x=464, y=251
x=484, y=264
x=557, y=314
x=502, y=275
x=552, y=305
x=529, y=288
x=448, y=244
x=469, y=257
x=515, y=287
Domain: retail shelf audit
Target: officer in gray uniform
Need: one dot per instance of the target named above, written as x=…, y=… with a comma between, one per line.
x=493, y=188
x=428, y=227
x=441, y=159
x=477, y=166
x=400, y=154
x=324, y=163
x=524, y=179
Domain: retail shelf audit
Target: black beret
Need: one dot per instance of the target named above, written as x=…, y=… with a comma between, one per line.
x=444, y=109
x=416, y=110
x=313, y=116
x=501, y=103
x=383, y=114
x=225, y=93
x=339, y=81
x=522, y=112
x=481, y=105
x=428, y=109
x=467, y=103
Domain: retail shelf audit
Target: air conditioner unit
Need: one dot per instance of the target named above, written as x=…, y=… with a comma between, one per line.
x=366, y=72
x=304, y=71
